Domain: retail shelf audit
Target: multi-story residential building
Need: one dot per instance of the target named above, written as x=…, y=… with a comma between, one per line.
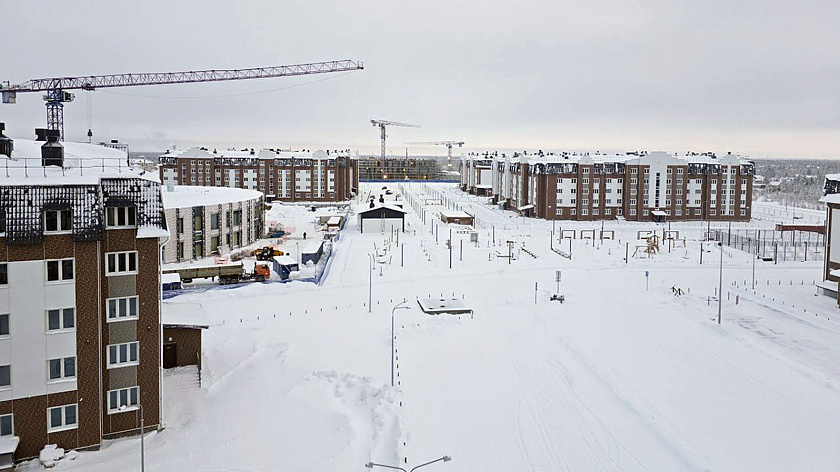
x=289, y=176
x=80, y=328
x=210, y=220
x=633, y=186
x=399, y=169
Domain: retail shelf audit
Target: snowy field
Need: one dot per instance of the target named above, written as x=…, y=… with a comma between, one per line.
x=623, y=375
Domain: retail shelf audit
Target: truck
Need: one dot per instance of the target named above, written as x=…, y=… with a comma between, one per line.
x=227, y=273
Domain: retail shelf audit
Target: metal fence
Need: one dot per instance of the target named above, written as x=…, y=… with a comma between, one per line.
x=772, y=244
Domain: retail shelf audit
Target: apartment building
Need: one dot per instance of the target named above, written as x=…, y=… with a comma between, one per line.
x=654, y=186
x=80, y=330
x=210, y=220
x=288, y=176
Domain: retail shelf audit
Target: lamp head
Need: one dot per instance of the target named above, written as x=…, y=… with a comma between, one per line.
x=446, y=458
x=369, y=465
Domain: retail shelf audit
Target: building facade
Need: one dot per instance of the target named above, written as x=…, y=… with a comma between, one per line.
x=635, y=186
x=399, y=169
x=320, y=176
x=831, y=198
x=80, y=331
x=210, y=220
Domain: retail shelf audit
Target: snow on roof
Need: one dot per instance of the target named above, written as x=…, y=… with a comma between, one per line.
x=8, y=444
x=285, y=260
x=204, y=153
x=832, y=176
x=454, y=214
x=658, y=213
x=149, y=231
x=313, y=247
x=832, y=198
x=334, y=220
x=187, y=196
x=170, y=278
x=392, y=207
x=84, y=164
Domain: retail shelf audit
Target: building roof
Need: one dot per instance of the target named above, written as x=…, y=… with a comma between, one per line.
x=832, y=198
x=187, y=196
x=84, y=164
x=285, y=260
x=379, y=206
x=204, y=153
x=454, y=214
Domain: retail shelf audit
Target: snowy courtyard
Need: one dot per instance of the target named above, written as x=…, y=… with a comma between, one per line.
x=630, y=372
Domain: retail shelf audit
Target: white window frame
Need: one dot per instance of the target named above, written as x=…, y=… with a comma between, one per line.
x=112, y=408
x=116, y=256
x=63, y=377
x=64, y=424
x=61, y=278
x=116, y=364
x=61, y=312
x=114, y=310
x=113, y=215
x=59, y=221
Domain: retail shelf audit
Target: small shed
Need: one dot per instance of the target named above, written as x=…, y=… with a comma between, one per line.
x=382, y=218
x=312, y=252
x=170, y=281
x=8, y=446
x=284, y=266
x=334, y=223
x=456, y=217
x=181, y=345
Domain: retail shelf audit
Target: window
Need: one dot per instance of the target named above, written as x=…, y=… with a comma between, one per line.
x=129, y=398
x=743, y=212
x=697, y=212
x=574, y=181
x=594, y=211
x=559, y=190
x=237, y=217
x=121, y=217
x=574, y=190
x=180, y=224
x=697, y=191
x=214, y=221
x=4, y=274
x=647, y=170
x=573, y=201
x=679, y=191
x=4, y=324
x=573, y=212
x=645, y=212
x=586, y=170
x=634, y=181
x=669, y=170
x=121, y=263
x=560, y=180
x=5, y=376
x=696, y=202
x=61, y=368
x=679, y=170
x=584, y=202
x=645, y=202
x=679, y=202
x=621, y=181
x=634, y=170
x=712, y=212
x=6, y=428
x=121, y=355
x=559, y=211
x=743, y=191
x=584, y=212
x=678, y=212
x=61, y=418
x=57, y=221
x=61, y=318
x=632, y=201
x=679, y=181
x=59, y=270
x=608, y=211
x=586, y=191
x=668, y=181
x=714, y=181
x=632, y=212
x=699, y=181
x=124, y=308
x=732, y=182
x=744, y=182
x=608, y=201
x=743, y=202
x=618, y=201
x=180, y=250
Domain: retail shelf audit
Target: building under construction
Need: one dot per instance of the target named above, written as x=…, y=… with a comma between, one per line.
x=399, y=169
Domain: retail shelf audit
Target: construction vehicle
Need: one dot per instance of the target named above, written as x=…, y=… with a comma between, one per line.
x=57, y=94
x=227, y=273
x=267, y=253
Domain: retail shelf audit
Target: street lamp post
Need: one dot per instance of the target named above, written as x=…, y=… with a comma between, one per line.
x=371, y=465
x=142, y=435
x=720, y=283
x=398, y=307
x=370, y=282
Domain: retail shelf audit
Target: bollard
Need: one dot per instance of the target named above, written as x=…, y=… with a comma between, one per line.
x=737, y=298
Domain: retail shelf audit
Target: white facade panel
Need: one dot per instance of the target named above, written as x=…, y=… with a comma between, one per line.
x=834, y=235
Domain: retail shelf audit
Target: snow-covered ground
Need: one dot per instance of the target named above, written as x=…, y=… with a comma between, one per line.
x=623, y=375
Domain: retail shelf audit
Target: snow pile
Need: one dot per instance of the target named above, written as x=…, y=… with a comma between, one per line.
x=51, y=455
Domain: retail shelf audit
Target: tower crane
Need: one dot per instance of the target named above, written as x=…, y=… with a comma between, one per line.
x=448, y=145
x=382, y=124
x=57, y=94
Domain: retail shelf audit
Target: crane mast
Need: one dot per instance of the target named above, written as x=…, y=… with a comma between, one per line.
x=382, y=124
x=57, y=94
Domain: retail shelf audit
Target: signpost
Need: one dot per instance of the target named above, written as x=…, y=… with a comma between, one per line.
x=647, y=278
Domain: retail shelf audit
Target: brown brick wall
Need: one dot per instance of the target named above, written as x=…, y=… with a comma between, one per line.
x=188, y=341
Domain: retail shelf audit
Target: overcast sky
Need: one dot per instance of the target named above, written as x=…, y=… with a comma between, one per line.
x=761, y=78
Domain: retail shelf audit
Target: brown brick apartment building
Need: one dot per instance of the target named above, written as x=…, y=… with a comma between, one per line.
x=320, y=176
x=79, y=296
x=636, y=186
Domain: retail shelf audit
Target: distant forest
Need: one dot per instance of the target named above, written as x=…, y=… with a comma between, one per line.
x=801, y=180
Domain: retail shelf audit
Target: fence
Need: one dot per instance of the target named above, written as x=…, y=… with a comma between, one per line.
x=772, y=244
